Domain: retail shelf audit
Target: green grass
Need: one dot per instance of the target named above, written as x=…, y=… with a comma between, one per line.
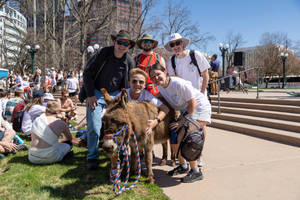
x=69, y=179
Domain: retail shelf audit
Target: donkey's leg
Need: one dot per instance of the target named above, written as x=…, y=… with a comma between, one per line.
x=133, y=163
x=148, y=159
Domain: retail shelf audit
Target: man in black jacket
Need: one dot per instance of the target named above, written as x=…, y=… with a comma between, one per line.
x=109, y=69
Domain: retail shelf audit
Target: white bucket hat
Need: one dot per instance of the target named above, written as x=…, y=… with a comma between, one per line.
x=176, y=36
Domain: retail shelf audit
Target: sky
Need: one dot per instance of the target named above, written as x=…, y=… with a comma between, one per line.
x=250, y=18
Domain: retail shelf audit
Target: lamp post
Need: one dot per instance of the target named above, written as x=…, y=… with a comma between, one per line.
x=91, y=49
x=32, y=51
x=283, y=57
x=223, y=50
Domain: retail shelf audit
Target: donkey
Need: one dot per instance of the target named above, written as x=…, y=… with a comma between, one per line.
x=134, y=115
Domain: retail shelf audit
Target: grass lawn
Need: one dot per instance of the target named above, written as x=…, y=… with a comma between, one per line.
x=66, y=180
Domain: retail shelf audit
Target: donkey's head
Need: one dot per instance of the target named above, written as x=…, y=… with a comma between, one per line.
x=114, y=121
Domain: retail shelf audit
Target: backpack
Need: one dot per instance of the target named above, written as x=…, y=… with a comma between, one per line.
x=193, y=61
x=17, y=121
x=191, y=145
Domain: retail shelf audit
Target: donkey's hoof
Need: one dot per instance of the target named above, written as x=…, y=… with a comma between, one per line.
x=150, y=180
x=163, y=162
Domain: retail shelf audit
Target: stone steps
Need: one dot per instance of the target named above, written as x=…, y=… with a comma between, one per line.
x=286, y=137
x=272, y=119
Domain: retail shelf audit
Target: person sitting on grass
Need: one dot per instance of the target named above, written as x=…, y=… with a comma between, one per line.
x=33, y=110
x=6, y=138
x=46, y=129
x=67, y=106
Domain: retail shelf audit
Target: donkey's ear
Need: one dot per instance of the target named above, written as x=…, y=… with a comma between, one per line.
x=106, y=96
x=124, y=98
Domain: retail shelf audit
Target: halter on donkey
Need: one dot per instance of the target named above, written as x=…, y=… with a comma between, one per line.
x=123, y=147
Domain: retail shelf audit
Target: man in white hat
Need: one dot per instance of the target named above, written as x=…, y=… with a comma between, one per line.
x=147, y=58
x=188, y=64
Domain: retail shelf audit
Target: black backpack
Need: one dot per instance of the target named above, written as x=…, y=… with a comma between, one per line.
x=192, y=143
x=193, y=61
x=17, y=121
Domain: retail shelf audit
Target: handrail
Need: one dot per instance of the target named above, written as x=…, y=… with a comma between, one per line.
x=240, y=72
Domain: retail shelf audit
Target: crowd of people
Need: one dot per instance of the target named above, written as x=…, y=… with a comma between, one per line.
x=28, y=105
x=182, y=81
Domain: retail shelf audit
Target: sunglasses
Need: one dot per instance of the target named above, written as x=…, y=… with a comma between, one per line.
x=125, y=44
x=137, y=81
x=146, y=41
x=173, y=44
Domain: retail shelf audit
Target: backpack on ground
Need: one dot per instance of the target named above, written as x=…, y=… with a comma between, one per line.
x=17, y=121
x=193, y=61
x=192, y=143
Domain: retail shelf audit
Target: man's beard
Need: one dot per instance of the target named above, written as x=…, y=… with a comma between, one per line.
x=147, y=49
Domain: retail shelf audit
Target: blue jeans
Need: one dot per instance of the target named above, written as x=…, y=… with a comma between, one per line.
x=94, y=124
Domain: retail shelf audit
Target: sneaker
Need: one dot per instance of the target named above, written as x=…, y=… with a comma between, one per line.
x=112, y=175
x=178, y=170
x=192, y=177
x=92, y=164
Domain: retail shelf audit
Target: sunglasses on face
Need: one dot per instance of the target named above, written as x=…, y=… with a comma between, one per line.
x=146, y=42
x=137, y=81
x=125, y=44
x=173, y=44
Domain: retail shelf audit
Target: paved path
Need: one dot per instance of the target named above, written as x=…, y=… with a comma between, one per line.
x=236, y=166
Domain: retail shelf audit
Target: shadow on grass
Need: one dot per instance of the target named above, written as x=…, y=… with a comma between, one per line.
x=84, y=180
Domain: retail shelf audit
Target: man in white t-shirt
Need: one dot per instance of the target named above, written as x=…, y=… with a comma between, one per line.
x=187, y=64
x=72, y=85
x=184, y=67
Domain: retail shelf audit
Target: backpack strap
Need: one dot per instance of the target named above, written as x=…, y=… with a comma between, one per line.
x=173, y=64
x=194, y=61
x=137, y=60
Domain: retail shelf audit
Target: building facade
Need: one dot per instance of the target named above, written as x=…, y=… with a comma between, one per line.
x=13, y=30
x=126, y=16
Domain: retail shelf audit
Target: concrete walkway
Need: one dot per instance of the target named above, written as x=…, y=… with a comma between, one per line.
x=238, y=167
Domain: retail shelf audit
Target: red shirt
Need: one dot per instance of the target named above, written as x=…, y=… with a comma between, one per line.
x=144, y=63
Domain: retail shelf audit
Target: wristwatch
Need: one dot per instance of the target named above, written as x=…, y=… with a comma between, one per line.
x=158, y=120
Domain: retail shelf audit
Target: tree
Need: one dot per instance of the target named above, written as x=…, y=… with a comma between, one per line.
x=268, y=56
x=176, y=19
x=2, y=2
x=235, y=40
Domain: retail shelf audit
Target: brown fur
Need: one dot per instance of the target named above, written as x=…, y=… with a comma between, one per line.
x=135, y=115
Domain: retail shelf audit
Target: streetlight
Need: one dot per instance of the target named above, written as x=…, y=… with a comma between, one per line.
x=92, y=49
x=283, y=57
x=223, y=49
x=32, y=51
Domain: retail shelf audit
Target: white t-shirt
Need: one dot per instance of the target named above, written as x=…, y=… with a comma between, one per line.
x=19, y=80
x=179, y=91
x=188, y=71
x=28, y=117
x=25, y=84
x=144, y=96
x=72, y=84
